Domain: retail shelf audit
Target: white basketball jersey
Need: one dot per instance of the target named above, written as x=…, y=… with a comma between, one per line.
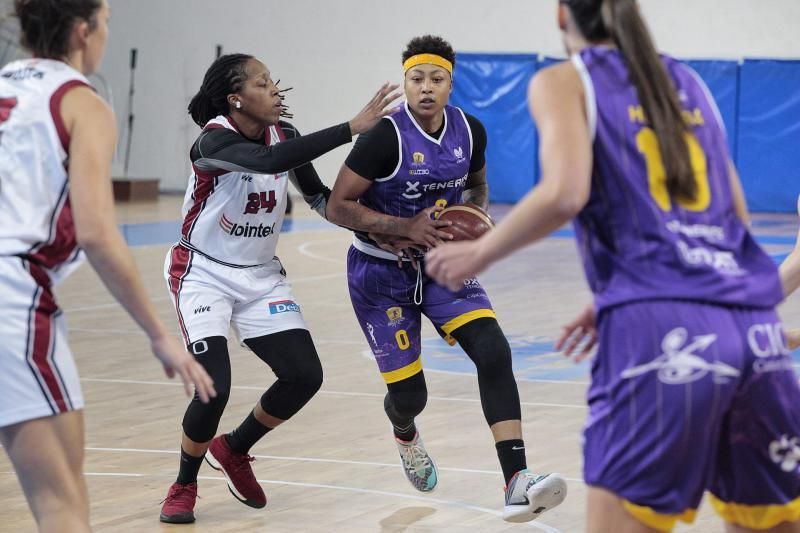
x=234, y=218
x=35, y=213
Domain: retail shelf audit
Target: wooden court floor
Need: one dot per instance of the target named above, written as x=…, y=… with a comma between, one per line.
x=334, y=467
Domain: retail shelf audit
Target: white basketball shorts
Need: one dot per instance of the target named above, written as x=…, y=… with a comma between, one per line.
x=38, y=376
x=210, y=297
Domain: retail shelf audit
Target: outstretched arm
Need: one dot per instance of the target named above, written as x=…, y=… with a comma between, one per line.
x=223, y=149
x=556, y=101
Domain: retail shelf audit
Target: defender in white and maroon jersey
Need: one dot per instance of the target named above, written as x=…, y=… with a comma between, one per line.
x=223, y=272
x=57, y=139
x=37, y=240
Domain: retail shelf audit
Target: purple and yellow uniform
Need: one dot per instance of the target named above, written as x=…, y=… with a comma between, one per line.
x=692, y=387
x=423, y=171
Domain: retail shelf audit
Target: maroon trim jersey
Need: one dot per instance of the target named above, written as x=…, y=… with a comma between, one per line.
x=233, y=215
x=35, y=214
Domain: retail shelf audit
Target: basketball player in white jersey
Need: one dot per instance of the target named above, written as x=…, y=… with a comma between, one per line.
x=223, y=273
x=57, y=138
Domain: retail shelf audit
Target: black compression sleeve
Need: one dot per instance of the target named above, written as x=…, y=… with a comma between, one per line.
x=305, y=178
x=478, y=159
x=224, y=149
x=375, y=153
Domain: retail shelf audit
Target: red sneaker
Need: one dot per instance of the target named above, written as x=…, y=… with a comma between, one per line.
x=178, y=506
x=236, y=467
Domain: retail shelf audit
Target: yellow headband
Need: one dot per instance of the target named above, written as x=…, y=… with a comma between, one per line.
x=427, y=59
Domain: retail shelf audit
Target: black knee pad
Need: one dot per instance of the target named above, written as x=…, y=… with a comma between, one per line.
x=292, y=356
x=406, y=399
x=202, y=419
x=484, y=342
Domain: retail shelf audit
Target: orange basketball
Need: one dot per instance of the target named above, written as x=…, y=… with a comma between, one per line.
x=468, y=221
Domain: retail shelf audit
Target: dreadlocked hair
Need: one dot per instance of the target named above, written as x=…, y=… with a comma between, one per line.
x=226, y=75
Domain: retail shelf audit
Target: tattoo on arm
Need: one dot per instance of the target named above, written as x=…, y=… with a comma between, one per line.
x=357, y=217
x=478, y=195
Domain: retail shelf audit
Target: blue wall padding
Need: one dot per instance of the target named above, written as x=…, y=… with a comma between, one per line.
x=769, y=134
x=759, y=101
x=722, y=79
x=493, y=88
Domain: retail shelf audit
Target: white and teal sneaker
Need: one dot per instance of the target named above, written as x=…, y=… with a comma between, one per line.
x=417, y=464
x=528, y=495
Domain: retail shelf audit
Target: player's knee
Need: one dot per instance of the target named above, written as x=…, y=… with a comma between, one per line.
x=402, y=405
x=484, y=343
x=406, y=399
x=202, y=419
x=305, y=378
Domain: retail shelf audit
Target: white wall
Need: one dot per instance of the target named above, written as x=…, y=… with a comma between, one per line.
x=337, y=52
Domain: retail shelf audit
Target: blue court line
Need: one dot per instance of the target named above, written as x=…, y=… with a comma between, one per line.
x=168, y=232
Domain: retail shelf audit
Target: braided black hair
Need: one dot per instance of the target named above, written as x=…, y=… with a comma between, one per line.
x=226, y=75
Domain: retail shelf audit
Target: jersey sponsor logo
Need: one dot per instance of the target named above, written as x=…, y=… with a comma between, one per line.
x=283, y=306
x=418, y=159
x=395, y=315
x=24, y=74
x=202, y=309
x=702, y=231
x=785, y=452
x=247, y=178
x=412, y=190
x=449, y=184
x=247, y=231
x=722, y=262
x=679, y=363
x=768, y=344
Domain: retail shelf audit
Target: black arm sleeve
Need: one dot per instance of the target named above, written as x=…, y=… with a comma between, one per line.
x=376, y=153
x=224, y=149
x=304, y=177
x=478, y=159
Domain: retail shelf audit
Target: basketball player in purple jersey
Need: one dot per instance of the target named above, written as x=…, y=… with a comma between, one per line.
x=692, y=385
x=411, y=164
x=57, y=139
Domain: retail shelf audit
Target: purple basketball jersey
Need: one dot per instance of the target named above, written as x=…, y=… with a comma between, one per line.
x=636, y=241
x=430, y=171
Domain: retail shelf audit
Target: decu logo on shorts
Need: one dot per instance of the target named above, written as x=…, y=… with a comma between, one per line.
x=283, y=306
